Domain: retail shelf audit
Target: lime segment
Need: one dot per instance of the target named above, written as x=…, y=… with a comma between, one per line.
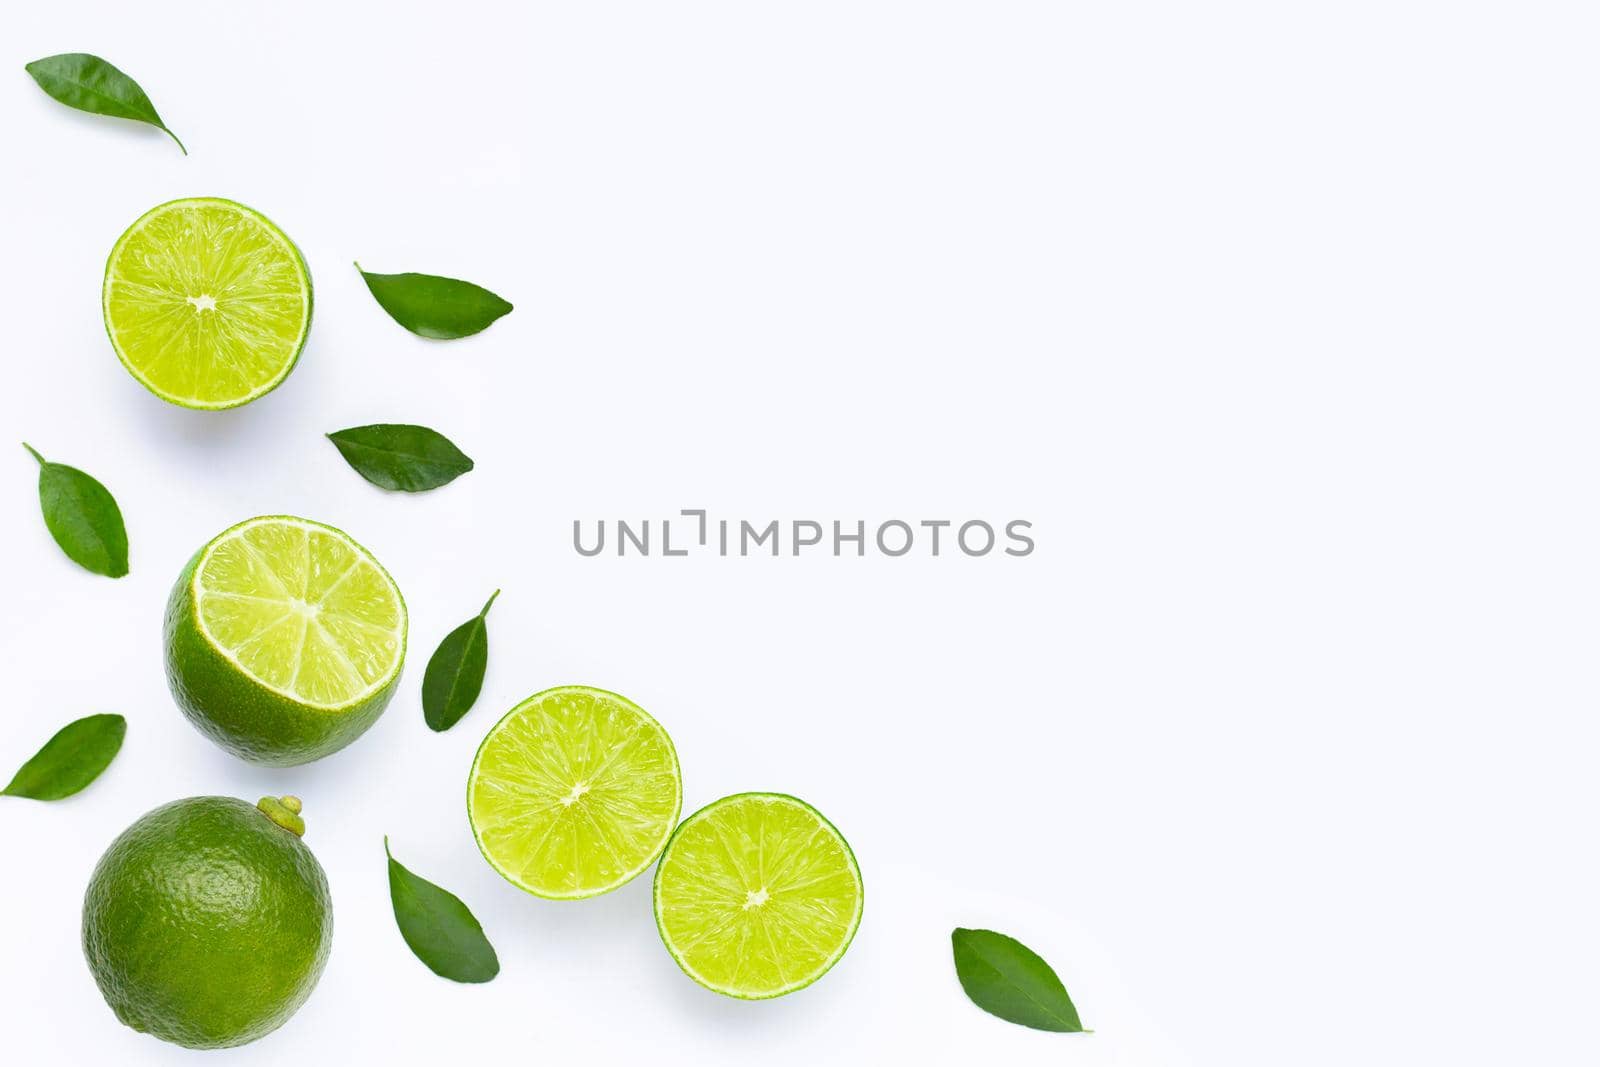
x=574, y=792
x=757, y=895
x=207, y=303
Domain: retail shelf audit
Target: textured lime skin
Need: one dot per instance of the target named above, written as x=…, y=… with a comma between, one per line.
x=105, y=289
x=207, y=924
x=241, y=715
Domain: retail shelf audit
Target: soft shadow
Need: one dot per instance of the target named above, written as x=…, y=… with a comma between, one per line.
x=591, y=926
x=357, y=762
x=216, y=432
x=802, y=1008
x=104, y=126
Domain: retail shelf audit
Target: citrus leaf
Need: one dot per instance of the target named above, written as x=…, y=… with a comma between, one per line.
x=398, y=456
x=70, y=760
x=90, y=84
x=83, y=517
x=431, y=306
x=1004, y=977
x=440, y=930
x=454, y=676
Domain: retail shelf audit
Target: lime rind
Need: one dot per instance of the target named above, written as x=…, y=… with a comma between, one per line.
x=800, y=981
x=139, y=374
x=647, y=855
x=200, y=593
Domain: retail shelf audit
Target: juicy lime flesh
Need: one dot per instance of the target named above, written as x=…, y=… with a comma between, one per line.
x=574, y=792
x=207, y=302
x=301, y=609
x=757, y=895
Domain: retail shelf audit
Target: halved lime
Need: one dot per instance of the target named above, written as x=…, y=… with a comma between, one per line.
x=573, y=792
x=284, y=640
x=206, y=302
x=757, y=895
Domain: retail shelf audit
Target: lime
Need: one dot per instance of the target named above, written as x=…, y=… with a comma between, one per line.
x=284, y=640
x=757, y=895
x=206, y=302
x=207, y=922
x=573, y=792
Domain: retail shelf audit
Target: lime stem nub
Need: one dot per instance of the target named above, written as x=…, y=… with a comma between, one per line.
x=285, y=811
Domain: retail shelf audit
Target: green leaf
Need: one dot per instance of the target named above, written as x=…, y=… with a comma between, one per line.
x=454, y=676
x=430, y=306
x=397, y=456
x=1004, y=977
x=83, y=517
x=90, y=84
x=70, y=760
x=440, y=930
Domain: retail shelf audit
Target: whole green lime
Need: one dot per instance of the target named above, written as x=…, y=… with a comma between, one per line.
x=284, y=640
x=208, y=921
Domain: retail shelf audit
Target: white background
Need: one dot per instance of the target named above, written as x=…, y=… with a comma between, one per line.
x=1276, y=319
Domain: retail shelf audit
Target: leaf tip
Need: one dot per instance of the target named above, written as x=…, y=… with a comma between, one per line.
x=33, y=452
x=489, y=604
x=37, y=69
